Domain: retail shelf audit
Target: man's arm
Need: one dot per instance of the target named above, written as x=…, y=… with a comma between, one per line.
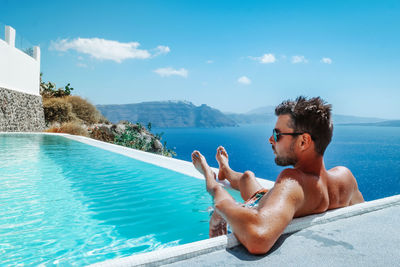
x=258, y=229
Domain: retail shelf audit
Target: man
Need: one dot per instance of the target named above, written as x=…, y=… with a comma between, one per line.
x=302, y=132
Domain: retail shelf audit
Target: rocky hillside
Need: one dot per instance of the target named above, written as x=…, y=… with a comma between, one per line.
x=64, y=113
x=167, y=114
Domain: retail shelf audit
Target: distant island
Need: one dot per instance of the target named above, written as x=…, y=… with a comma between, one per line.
x=165, y=114
x=168, y=114
x=389, y=123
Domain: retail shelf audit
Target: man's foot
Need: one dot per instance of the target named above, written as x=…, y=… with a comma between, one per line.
x=223, y=162
x=200, y=163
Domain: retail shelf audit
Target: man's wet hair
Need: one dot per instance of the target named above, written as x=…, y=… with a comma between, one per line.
x=312, y=116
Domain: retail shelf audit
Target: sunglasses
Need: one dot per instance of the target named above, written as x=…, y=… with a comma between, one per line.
x=277, y=134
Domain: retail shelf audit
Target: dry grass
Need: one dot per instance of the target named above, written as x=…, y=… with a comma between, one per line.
x=73, y=127
x=84, y=110
x=57, y=110
x=102, y=133
x=71, y=108
x=71, y=114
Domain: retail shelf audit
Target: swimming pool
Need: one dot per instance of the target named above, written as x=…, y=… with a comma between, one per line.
x=65, y=202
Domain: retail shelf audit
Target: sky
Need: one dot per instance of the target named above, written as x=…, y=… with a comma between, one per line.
x=231, y=55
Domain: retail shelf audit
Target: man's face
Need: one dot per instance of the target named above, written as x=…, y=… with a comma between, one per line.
x=284, y=148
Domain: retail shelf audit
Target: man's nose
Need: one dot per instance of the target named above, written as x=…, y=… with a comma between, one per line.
x=271, y=140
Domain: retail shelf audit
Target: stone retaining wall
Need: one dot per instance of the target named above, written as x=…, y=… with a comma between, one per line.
x=20, y=112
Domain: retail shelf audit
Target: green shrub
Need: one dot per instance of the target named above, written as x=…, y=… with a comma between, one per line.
x=167, y=151
x=133, y=138
x=48, y=90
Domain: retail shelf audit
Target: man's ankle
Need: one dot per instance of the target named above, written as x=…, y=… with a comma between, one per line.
x=226, y=168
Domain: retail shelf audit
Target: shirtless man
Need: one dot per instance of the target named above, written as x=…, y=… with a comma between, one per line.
x=302, y=132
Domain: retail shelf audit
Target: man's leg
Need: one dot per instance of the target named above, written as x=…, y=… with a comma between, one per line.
x=212, y=185
x=245, y=182
x=218, y=225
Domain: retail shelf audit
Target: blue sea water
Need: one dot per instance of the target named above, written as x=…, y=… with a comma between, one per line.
x=371, y=153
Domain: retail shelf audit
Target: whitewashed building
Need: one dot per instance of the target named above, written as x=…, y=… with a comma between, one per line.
x=20, y=101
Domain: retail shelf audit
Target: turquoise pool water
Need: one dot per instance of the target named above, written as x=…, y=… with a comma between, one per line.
x=67, y=203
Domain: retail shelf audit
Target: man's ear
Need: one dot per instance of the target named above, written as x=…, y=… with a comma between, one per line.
x=305, y=141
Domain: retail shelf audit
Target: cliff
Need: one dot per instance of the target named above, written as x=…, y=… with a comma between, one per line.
x=164, y=114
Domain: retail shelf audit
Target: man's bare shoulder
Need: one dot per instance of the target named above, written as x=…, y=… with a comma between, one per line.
x=289, y=185
x=344, y=181
x=342, y=174
x=291, y=174
x=340, y=169
x=294, y=176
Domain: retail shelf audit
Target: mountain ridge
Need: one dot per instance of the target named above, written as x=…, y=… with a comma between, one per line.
x=164, y=114
x=180, y=113
x=387, y=123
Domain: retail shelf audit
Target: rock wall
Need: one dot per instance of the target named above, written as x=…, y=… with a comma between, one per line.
x=20, y=112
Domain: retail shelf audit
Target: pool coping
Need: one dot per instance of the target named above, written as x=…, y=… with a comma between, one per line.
x=190, y=250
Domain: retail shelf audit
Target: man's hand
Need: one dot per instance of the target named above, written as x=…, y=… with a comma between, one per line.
x=258, y=229
x=218, y=225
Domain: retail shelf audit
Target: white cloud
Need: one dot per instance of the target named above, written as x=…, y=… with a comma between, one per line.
x=268, y=58
x=299, y=59
x=165, y=72
x=265, y=59
x=209, y=61
x=244, y=80
x=104, y=49
x=326, y=60
x=161, y=49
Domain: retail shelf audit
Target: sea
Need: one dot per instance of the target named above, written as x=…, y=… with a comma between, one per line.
x=372, y=153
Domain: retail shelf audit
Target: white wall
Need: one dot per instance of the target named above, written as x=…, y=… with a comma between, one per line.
x=19, y=71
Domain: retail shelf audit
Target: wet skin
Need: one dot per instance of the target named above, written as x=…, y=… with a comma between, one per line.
x=305, y=189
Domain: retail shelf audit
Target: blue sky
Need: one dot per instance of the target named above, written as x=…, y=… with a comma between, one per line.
x=231, y=55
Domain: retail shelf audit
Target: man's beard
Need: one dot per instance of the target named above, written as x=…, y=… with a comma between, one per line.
x=288, y=160
x=285, y=161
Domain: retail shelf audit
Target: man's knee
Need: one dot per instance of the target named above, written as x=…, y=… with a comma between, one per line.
x=248, y=175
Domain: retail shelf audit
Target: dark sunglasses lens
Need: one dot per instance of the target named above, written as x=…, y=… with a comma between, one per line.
x=275, y=135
